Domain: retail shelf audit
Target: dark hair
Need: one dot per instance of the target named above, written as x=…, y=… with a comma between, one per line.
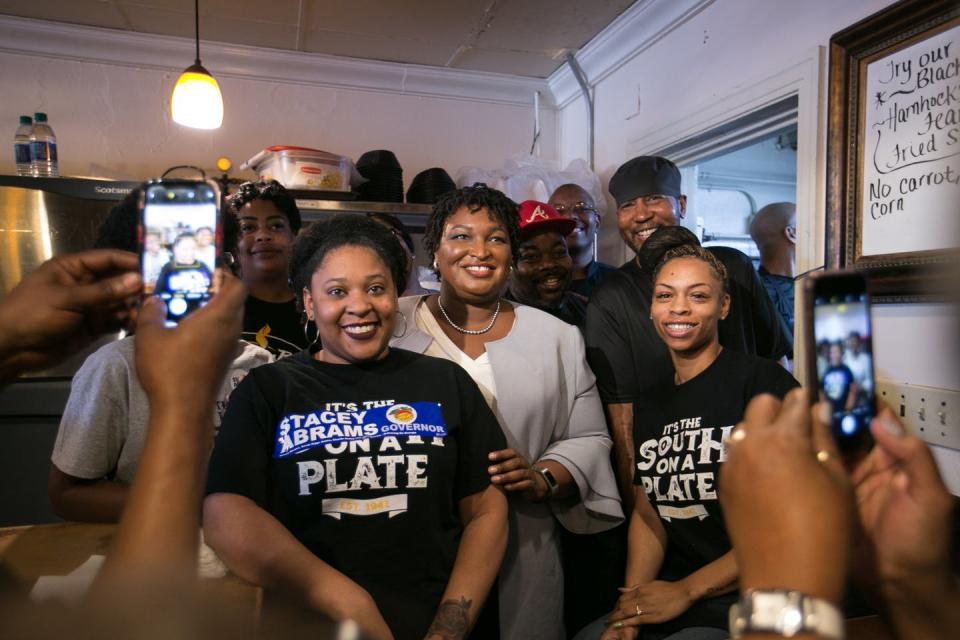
x=662, y=240
x=345, y=230
x=271, y=191
x=119, y=229
x=699, y=253
x=184, y=236
x=479, y=196
x=395, y=223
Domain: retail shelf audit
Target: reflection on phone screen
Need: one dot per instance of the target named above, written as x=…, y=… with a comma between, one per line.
x=179, y=252
x=845, y=364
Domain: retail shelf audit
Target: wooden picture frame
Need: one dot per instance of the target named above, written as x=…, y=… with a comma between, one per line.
x=893, y=149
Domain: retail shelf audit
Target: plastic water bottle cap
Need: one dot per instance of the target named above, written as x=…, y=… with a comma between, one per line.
x=26, y=120
x=40, y=116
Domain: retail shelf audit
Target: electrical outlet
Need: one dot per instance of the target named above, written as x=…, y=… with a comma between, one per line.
x=930, y=413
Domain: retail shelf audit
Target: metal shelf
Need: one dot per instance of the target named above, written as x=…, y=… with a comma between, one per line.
x=414, y=216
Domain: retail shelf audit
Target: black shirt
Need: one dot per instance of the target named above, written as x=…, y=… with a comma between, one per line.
x=319, y=446
x=628, y=356
x=572, y=308
x=678, y=434
x=275, y=326
x=836, y=383
x=596, y=272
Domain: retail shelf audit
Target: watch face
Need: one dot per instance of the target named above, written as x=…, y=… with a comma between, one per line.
x=548, y=477
x=785, y=613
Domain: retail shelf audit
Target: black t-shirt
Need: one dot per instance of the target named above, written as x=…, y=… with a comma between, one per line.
x=275, y=326
x=678, y=434
x=192, y=277
x=572, y=308
x=596, y=272
x=628, y=356
x=319, y=446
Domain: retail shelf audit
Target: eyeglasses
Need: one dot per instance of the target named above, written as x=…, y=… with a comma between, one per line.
x=578, y=208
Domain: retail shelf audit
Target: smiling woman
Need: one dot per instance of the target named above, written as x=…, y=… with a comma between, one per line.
x=354, y=477
x=266, y=221
x=532, y=371
x=681, y=573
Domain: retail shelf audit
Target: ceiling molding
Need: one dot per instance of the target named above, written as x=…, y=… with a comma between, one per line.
x=25, y=36
x=634, y=31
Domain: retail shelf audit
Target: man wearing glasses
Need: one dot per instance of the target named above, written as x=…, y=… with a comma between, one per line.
x=574, y=202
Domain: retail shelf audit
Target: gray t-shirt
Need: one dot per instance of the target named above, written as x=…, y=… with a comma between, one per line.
x=104, y=425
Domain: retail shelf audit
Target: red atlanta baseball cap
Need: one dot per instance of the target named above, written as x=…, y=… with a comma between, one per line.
x=539, y=216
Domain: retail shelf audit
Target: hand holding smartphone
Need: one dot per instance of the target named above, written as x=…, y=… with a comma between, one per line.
x=180, y=241
x=840, y=349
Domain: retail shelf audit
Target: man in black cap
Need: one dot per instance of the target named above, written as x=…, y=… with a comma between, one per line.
x=623, y=348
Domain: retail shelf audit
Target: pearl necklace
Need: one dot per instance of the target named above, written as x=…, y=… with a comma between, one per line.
x=472, y=332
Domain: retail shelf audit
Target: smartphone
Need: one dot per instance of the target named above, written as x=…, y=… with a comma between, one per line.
x=180, y=241
x=840, y=349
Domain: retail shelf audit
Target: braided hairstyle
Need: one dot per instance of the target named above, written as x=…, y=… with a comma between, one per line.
x=699, y=253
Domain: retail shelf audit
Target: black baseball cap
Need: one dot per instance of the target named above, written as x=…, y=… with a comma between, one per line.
x=644, y=176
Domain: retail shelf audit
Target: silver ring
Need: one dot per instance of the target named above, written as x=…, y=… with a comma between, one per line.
x=737, y=436
x=639, y=610
x=823, y=455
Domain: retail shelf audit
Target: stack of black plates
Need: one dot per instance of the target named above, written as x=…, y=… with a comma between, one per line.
x=384, y=175
x=429, y=185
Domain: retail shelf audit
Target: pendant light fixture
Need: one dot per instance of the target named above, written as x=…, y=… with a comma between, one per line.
x=196, y=98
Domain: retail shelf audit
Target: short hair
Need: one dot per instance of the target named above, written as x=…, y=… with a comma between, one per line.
x=119, y=229
x=345, y=230
x=698, y=253
x=769, y=222
x=187, y=235
x=479, y=196
x=271, y=191
x=662, y=240
x=395, y=223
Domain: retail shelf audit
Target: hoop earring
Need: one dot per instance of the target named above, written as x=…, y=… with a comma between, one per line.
x=435, y=265
x=306, y=333
x=402, y=333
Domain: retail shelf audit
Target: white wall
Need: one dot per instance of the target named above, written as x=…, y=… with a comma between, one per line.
x=113, y=120
x=712, y=57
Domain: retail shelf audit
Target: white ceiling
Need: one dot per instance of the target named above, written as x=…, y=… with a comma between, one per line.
x=518, y=37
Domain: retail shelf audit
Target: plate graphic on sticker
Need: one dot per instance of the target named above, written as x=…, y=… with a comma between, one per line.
x=402, y=414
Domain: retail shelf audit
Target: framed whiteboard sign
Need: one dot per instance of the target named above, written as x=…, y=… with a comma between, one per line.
x=893, y=150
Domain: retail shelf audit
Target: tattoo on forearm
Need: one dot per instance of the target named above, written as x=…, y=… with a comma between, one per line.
x=451, y=621
x=720, y=588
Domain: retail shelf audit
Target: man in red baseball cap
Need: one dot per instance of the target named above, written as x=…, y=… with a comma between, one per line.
x=544, y=267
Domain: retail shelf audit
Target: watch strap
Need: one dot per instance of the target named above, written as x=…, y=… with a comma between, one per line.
x=785, y=613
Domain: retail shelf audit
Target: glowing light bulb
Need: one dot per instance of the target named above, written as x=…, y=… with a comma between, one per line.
x=196, y=100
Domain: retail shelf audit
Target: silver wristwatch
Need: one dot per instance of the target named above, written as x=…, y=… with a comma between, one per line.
x=786, y=613
x=549, y=478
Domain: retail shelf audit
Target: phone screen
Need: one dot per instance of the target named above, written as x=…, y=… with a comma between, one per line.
x=178, y=231
x=844, y=358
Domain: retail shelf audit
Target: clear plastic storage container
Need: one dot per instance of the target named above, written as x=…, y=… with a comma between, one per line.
x=301, y=168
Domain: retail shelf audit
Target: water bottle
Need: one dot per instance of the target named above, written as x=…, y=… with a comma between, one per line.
x=21, y=146
x=43, y=147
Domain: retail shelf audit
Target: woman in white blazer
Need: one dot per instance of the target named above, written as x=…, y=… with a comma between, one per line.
x=532, y=371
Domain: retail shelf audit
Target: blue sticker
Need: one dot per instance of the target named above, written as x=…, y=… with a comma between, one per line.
x=299, y=432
